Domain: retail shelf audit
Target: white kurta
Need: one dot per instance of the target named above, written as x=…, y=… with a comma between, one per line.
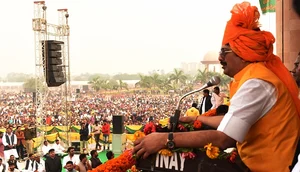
x=13, y=152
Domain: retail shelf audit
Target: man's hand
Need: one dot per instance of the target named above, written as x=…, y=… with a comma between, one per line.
x=187, y=119
x=150, y=144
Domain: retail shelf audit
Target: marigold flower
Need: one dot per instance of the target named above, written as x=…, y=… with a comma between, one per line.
x=211, y=112
x=197, y=124
x=165, y=152
x=138, y=135
x=212, y=151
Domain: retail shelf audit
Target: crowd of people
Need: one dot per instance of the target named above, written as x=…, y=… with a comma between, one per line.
x=18, y=108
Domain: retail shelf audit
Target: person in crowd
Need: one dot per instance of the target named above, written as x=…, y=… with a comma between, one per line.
x=95, y=161
x=264, y=110
x=59, y=149
x=29, y=135
x=45, y=149
x=84, y=136
x=10, y=142
x=205, y=104
x=53, y=162
x=12, y=168
x=30, y=162
x=84, y=164
x=20, y=142
x=97, y=131
x=110, y=155
x=296, y=71
x=70, y=156
x=217, y=98
x=2, y=166
x=39, y=165
x=106, y=133
x=12, y=160
x=193, y=111
x=1, y=145
x=296, y=74
x=70, y=166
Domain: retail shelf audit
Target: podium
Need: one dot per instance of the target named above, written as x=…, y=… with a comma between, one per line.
x=118, y=143
x=201, y=163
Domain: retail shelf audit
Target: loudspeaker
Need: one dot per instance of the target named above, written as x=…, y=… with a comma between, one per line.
x=77, y=91
x=76, y=146
x=118, y=124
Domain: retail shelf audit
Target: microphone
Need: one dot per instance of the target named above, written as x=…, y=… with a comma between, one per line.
x=215, y=80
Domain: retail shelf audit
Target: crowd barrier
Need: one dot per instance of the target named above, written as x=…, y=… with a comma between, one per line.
x=71, y=134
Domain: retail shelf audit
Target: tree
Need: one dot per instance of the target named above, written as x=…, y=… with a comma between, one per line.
x=122, y=85
x=96, y=83
x=30, y=85
x=178, y=77
x=145, y=81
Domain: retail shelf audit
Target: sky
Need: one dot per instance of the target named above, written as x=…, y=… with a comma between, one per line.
x=120, y=36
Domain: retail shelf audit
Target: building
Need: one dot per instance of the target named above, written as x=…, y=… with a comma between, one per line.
x=210, y=62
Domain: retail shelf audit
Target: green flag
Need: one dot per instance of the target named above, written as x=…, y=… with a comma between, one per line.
x=267, y=6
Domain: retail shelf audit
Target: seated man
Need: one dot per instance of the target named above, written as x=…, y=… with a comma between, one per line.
x=29, y=163
x=39, y=165
x=12, y=168
x=70, y=156
x=46, y=148
x=110, y=155
x=70, y=166
x=59, y=149
x=263, y=116
x=95, y=161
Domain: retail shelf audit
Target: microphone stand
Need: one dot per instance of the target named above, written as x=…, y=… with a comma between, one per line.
x=175, y=119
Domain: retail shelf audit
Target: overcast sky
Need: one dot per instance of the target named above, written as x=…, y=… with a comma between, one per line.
x=119, y=36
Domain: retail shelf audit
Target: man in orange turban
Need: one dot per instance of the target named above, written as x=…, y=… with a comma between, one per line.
x=263, y=117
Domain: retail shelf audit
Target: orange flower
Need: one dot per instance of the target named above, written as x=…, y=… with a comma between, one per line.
x=119, y=164
x=165, y=152
x=197, y=124
x=212, y=151
x=211, y=112
x=138, y=135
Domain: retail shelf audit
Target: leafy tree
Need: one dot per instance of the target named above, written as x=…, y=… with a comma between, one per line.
x=96, y=83
x=145, y=81
x=30, y=85
x=178, y=77
x=122, y=85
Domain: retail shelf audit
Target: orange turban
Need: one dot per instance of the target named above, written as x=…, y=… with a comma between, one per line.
x=245, y=38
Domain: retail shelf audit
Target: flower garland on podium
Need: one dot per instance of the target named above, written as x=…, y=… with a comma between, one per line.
x=126, y=161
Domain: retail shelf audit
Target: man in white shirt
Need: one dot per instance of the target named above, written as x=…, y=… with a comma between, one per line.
x=45, y=148
x=12, y=168
x=29, y=163
x=70, y=157
x=59, y=149
x=39, y=165
x=2, y=166
x=9, y=141
x=217, y=98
